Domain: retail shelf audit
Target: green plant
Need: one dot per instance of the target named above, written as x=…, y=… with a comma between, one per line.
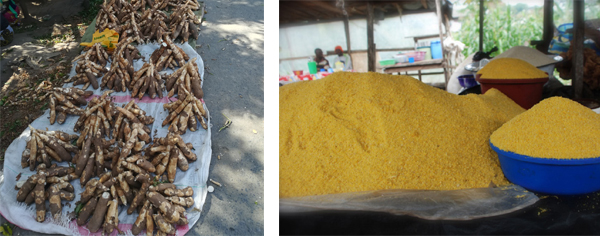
x=6, y=229
x=12, y=127
x=3, y=100
x=504, y=26
x=44, y=106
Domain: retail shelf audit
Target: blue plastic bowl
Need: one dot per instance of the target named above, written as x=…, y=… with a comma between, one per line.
x=467, y=81
x=551, y=176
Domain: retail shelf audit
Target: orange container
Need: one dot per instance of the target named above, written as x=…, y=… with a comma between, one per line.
x=525, y=92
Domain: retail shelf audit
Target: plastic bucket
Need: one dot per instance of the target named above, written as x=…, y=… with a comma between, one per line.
x=312, y=67
x=525, y=92
x=551, y=176
x=427, y=51
x=436, y=50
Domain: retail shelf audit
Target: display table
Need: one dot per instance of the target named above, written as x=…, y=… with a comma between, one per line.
x=418, y=66
x=286, y=79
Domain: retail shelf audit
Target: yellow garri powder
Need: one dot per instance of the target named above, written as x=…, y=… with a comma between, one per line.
x=556, y=128
x=368, y=131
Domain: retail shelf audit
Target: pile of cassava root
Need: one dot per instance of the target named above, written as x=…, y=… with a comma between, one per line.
x=135, y=20
x=66, y=101
x=183, y=23
x=187, y=77
x=34, y=189
x=147, y=80
x=102, y=115
x=90, y=66
x=121, y=69
x=128, y=183
x=168, y=153
x=114, y=158
x=45, y=146
x=184, y=111
x=158, y=204
x=168, y=55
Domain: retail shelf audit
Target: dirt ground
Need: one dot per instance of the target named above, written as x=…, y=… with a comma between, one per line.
x=42, y=49
x=231, y=45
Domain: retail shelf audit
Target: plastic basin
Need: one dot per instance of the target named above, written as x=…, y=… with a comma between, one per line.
x=525, y=92
x=467, y=81
x=551, y=176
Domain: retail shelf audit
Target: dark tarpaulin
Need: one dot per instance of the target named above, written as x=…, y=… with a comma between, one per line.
x=550, y=215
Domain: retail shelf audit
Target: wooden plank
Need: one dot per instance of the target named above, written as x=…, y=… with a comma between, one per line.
x=328, y=6
x=286, y=21
x=390, y=70
x=577, y=43
x=417, y=63
x=370, y=39
x=329, y=53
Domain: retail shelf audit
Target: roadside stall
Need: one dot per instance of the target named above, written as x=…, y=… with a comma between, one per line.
x=102, y=156
x=368, y=153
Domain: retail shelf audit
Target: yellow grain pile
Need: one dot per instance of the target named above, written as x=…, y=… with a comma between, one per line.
x=556, y=128
x=368, y=131
x=510, y=68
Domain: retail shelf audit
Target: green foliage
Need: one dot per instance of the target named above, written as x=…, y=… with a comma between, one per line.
x=156, y=182
x=44, y=106
x=3, y=100
x=563, y=11
x=78, y=209
x=504, y=26
x=90, y=13
x=12, y=127
x=6, y=229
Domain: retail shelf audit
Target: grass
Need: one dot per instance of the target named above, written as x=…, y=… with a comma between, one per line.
x=12, y=126
x=3, y=100
x=49, y=40
x=26, y=28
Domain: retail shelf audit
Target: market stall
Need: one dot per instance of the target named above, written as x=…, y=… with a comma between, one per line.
x=298, y=17
x=378, y=154
x=102, y=155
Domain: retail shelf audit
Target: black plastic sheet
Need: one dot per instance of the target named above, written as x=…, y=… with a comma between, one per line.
x=551, y=215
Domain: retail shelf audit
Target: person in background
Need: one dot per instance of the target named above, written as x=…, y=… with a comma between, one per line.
x=6, y=32
x=322, y=63
x=343, y=58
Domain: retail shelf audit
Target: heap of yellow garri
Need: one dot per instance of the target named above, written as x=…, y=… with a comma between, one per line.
x=355, y=132
x=556, y=128
x=510, y=68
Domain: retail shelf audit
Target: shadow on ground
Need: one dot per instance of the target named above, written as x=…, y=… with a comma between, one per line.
x=231, y=44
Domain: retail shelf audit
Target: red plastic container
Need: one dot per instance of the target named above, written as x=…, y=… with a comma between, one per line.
x=417, y=55
x=525, y=92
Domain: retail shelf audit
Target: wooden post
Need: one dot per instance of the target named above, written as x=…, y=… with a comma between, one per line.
x=348, y=45
x=577, y=43
x=481, y=10
x=548, y=26
x=370, y=40
x=438, y=7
